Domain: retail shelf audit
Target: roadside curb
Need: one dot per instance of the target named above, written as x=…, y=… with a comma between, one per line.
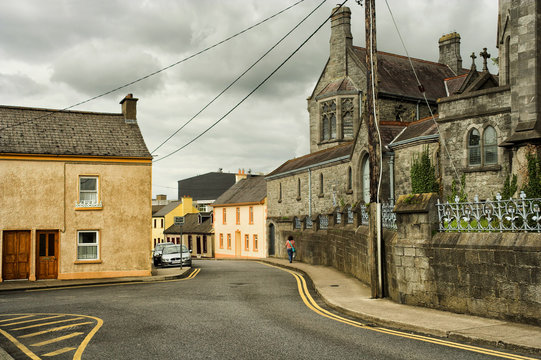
x=4, y=355
x=371, y=320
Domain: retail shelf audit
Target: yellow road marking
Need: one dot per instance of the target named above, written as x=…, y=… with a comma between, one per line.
x=59, y=351
x=85, y=342
x=17, y=318
x=310, y=303
x=33, y=320
x=55, y=329
x=65, y=337
x=48, y=323
x=23, y=348
x=191, y=276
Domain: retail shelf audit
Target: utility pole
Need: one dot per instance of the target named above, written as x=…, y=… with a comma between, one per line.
x=374, y=150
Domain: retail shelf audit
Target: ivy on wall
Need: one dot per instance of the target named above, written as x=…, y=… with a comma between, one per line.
x=423, y=174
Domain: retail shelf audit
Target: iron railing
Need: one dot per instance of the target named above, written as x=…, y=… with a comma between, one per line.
x=513, y=215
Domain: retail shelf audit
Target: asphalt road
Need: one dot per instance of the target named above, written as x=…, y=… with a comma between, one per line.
x=229, y=310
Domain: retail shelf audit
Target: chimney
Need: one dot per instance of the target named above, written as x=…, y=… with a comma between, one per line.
x=240, y=175
x=161, y=197
x=450, y=52
x=341, y=39
x=129, y=109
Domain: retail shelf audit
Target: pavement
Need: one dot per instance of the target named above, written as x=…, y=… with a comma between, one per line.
x=349, y=296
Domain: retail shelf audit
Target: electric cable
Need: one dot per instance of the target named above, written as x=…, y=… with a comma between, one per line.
x=421, y=88
x=153, y=73
x=254, y=90
x=238, y=77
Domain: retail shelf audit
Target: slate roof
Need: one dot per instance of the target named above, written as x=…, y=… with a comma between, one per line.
x=396, y=76
x=156, y=208
x=454, y=84
x=390, y=130
x=59, y=132
x=314, y=158
x=416, y=129
x=250, y=190
x=167, y=208
x=192, y=225
x=338, y=86
x=208, y=186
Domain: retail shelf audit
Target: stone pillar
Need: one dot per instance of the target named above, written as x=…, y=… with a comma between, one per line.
x=416, y=219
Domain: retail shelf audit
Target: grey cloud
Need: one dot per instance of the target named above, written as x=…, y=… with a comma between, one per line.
x=19, y=84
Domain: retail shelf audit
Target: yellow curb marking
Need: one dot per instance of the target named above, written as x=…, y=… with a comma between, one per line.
x=191, y=276
x=59, y=351
x=58, y=339
x=48, y=323
x=54, y=329
x=310, y=303
x=33, y=320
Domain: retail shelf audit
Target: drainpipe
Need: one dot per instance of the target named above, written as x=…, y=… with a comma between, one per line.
x=391, y=177
x=310, y=192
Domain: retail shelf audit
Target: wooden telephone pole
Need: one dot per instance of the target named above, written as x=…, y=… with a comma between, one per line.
x=374, y=150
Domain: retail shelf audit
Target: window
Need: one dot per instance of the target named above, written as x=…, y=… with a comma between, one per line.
x=350, y=179
x=298, y=189
x=189, y=242
x=246, y=242
x=365, y=168
x=229, y=241
x=237, y=216
x=474, y=148
x=88, y=192
x=87, y=245
x=255, y=243
x=321, y=184
x=347, y=117
x=328, y=120
x=221, y=241
x=490, y=146
x=154, y=223
x=205, y=248
x=162, y=223
x=280, y=194
x=224, y=216
x=251, y=216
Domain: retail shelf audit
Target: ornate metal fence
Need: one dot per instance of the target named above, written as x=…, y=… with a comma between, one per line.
x=388, y=216
x=491, y=215
x=323, y=222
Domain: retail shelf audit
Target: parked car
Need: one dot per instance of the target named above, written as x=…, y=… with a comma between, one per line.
x=157, y=253
x=171, y=256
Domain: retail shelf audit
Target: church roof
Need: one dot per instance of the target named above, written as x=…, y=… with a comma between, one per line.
x=417, y=130
x=253, y=189
x=342, y=85
x=397, y=78
x=322, y=156
x=26, y=130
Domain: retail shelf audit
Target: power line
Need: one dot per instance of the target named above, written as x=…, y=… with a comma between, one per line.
x=239, y=77
x=255, y=89
x=153, y=73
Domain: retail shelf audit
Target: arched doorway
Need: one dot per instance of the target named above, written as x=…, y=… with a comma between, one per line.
x=271, y=239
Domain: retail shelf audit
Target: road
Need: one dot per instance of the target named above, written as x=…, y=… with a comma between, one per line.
x=227, y=310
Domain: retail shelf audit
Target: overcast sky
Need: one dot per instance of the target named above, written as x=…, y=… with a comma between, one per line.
x=57, y=53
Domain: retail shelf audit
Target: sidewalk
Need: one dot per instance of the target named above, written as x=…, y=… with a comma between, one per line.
x=348, y=295
x=158, y=274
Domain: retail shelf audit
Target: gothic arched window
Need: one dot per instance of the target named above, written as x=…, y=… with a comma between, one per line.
x=328, y=120
x=347, y=117
x=490, y=146
x=474, y=148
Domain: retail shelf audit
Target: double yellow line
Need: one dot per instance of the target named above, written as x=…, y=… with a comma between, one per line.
x=311, y=303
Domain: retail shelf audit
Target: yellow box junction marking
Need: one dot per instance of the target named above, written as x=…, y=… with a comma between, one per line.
x=12, y=321
x=311, y=303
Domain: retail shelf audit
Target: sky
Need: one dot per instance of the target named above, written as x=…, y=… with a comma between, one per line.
x=57, y=53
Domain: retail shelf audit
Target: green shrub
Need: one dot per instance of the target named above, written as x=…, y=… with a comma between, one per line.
x=423, y=174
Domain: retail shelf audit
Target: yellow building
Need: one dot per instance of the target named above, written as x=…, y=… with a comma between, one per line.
x=165, y=217
x=240, y=216
x=75, y=194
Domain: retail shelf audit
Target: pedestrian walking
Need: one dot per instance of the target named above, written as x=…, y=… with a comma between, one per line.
x=290, y=246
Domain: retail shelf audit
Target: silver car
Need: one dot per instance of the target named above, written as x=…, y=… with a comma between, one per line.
x=171, y=256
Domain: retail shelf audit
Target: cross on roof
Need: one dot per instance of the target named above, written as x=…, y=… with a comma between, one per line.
x=473, y=57
x=485, y=55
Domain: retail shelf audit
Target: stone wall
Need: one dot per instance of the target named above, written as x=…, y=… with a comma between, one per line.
x=458, y=115
x=495, y=275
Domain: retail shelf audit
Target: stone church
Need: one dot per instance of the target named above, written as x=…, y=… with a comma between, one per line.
x=483, y=125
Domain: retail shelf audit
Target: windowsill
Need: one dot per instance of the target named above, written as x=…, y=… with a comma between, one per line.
x=77, y=208
x=495, y=167
x=320, y=195
x=82, y=262
x=88, y=206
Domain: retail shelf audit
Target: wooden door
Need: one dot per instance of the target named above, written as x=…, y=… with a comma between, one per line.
x=237, y=243
x=47, y=254
x=16, y=255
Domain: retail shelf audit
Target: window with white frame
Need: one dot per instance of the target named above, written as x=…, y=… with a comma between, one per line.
x=88, y=245
x=89, y=191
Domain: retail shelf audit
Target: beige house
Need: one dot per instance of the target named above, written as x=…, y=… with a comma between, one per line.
x=240, y=216
x=75, y=194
